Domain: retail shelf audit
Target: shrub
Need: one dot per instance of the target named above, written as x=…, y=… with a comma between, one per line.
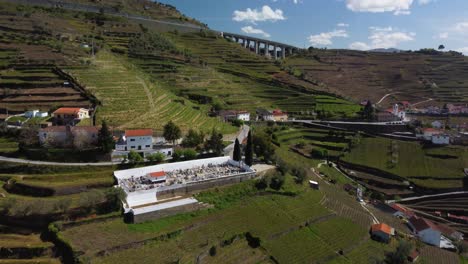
x=254, y=242
x=156, y=157
x=213, y=251
x=190, y=154
x=277, y=181
x=261, y=184
x=134, y=157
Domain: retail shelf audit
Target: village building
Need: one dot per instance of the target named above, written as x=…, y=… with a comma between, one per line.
x=382, y=232
x=437, y=124
x=35, y=113
x=386, y=117
x=264, y=115
x=139, y=140
x=428, y=232
x=396, y=111
x=68, y=136
x=69, y=115
x=413, y=256
x=440, y=139
x=279, y=116
x=401, y=211
x=231, y=115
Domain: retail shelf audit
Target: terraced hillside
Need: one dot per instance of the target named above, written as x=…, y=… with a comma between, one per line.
x=130, y=100
x=411, y=76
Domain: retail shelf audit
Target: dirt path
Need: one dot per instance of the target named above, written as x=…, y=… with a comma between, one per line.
x=422, y=102
x=385, y=96
x=148, y=92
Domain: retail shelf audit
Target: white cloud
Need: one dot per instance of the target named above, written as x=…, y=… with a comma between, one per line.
x=342, y=25
x=443, y=35
x=463, y=50
x=254, y=15
x=251, y=30
x=425, y=2
x=398, y=7
x=461, y=27
x=325, y=39
x=359, y=46
x=384, y=38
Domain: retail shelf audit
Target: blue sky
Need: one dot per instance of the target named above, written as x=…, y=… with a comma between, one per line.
x=356, y=24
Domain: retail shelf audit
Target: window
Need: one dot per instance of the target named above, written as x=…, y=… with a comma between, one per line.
x=132, y=139
x=132, y=147
x=148, y=146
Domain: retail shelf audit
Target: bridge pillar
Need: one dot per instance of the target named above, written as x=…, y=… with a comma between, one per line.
x=267, y=49
x=283, y=52
x=257, y=47
x=246, y=41
x=275, y=52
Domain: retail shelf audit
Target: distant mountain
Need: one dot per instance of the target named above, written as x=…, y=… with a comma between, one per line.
x=390, y=50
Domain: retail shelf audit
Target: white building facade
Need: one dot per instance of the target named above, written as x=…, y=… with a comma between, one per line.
x=139, y=140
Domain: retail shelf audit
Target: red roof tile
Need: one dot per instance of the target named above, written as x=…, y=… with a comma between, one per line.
x=421, y=224
x=67, y=110
x=382, y=228
x=157, y=174
x=138, y=132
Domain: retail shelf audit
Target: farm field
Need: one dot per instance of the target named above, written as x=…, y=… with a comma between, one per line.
x=271, y=217
x=432, y=168
x=371, y=75
x=8, y=146
x=130, y=100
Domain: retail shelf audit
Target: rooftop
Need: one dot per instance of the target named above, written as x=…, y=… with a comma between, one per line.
x=382, y=228
x=138, y=132
x=421, y=224
x=67, y=110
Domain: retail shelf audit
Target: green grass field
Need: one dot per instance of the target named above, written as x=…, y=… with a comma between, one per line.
x=434, y=168
x=8, y=145
x=130, y=100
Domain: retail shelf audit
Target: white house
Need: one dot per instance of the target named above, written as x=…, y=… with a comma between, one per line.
x=35, y=113
x=425, y=230
x=400, y=114
x=437, y=124
x=140, y=140
x=235, y=115
x=441, y=139
x=265, y=115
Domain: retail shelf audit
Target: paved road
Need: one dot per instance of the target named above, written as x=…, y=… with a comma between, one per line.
x=424, y=196
x=320, y=122
x=243, y=133
x=38, y=162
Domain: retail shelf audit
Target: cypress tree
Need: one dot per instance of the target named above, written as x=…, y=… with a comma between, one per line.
x=237, y=156
x=249, y=150
x=105, y=140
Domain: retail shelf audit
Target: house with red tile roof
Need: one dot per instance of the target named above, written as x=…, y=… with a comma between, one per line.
x=279, y=115
x=382, y=232
x=429, y=233
x=401, y=211
x=139, y=140
x=157, y=177
x=69, y=115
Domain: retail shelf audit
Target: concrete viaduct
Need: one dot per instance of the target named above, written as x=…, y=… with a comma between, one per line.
x=262, y=46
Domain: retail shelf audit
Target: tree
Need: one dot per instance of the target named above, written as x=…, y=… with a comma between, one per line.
x=134, y=157
x=105, y=140
x=171, y=132
x=156, y=157
x=369, y=111
x=263, y=146
x=28, y=136
x=299, y=174
x=213, y=251
x=262, y=183
x=215, y=143
x=237, y=156
x=277, y=181
x=400, y=255
x=114, y=197
x=441, y=47
x=249, y=150
x=190, y=154
x=193, y=139
x=63, y=205
x=88, y=200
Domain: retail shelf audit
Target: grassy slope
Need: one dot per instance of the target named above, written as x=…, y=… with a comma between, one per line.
x=130, y=100
x=413, y=162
